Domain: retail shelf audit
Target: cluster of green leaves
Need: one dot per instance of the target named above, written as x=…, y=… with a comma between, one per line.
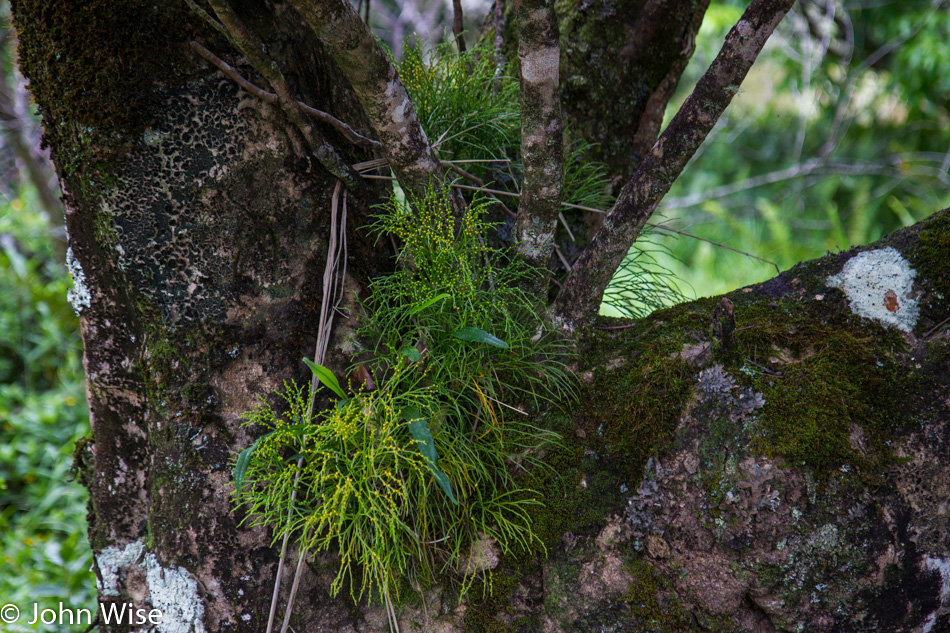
x=45, y=555
x=468, y=109
x=406, y=477
x=471, y=111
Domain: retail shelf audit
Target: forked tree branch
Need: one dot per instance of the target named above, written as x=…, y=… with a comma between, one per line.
x=380, y=91
x=581, y=294
x=542, y=142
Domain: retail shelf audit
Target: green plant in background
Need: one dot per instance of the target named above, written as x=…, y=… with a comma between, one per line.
x=45, y=554
x=408, y=475
x=837, y=137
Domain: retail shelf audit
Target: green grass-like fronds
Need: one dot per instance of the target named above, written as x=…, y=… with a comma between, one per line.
x=468, y=109
x=405, y=477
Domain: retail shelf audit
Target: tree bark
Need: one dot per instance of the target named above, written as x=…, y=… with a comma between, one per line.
x=198, y=227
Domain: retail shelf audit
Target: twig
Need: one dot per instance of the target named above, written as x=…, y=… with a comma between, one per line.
x=663, y=227
x=936, y=327
x=349, y=133
x=563, y=259
x=377, y=86
x=458, y=24
x=481, y=183
x=614, y=327
x=204, y=15
x=94, y=624
x=443, y=139
x=809, y=167
x=570, y=233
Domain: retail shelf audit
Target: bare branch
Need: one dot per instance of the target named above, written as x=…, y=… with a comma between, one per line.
x=542, y=151
x=481, y=183
x=583, y=290
x=380, y=91
x=252, y=49
x=457, y=24
x=349, y=133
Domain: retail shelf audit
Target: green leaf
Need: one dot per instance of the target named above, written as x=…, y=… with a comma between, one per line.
x=325, y=376
x=420, y=432
x=425, y=304
x=340, y=404
x=411, y=353
x=479, y=336
x=243, y=460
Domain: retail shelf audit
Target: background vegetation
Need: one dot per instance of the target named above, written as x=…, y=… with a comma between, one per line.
x=840, y=134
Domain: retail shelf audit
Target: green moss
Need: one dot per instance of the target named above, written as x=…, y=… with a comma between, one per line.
x=833, y=385
x=652, y=599
x=634, y=409
x=931, y=258
x=103, y=89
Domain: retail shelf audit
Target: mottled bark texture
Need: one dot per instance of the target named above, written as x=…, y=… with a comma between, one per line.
x=582, y=291
x=620, y=63
x=541, y=133
x=250, y=45
x=380, y=92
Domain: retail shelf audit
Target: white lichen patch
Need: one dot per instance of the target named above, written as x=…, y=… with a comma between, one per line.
x=174, y=592
x=942, y=566
x=78, y=296
x=879, y=285
x=111, y=561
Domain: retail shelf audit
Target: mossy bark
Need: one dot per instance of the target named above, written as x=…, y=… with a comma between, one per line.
x=621, y=62
x=200, y=227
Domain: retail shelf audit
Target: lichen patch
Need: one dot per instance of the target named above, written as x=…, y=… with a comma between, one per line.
x=78, y=296
x=174, y=592
x=171, y=590
x=879, y=285
x=111, y=561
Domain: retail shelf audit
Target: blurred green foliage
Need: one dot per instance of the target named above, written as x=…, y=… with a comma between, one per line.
x=45, y=557
x=845, y=113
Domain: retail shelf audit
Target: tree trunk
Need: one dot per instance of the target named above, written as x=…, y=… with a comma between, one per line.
x=198, y=230
x=777, y=495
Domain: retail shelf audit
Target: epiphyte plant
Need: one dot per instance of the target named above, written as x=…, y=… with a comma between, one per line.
x=404, y=477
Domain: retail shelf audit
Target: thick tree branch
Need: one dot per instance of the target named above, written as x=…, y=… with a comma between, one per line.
x=252, y=49
x=582, y=291
x=541, y=132
x=379, y=90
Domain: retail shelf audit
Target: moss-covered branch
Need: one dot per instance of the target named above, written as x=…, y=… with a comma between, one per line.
x=541, y=130
x=583, y=289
